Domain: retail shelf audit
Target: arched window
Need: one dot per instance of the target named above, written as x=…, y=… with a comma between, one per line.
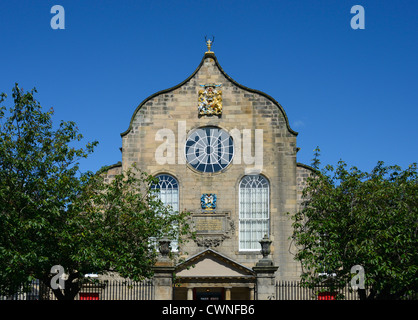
x=169, y=190
x=169, y=195
x=253, y=211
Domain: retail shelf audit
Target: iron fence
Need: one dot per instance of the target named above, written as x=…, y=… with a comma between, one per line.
x=92, y=290
x=145, y=290
x=293, y=290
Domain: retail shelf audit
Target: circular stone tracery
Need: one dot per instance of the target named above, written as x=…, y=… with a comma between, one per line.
x=209, y=149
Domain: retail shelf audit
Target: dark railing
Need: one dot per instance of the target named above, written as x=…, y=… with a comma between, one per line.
x=293, y=290
x=92, y=290
x=117, y=290
x=129, y=290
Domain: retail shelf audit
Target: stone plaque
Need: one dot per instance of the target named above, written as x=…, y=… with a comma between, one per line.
x=212, y=229
x=209, y=224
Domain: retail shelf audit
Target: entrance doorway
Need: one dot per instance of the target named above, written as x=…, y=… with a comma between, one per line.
x=208, y=294
x=213, y=293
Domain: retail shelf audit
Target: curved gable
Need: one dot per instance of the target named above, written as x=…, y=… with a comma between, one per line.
x=212, y=56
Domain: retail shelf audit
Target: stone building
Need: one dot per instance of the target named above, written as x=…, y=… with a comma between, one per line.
x=227, y=154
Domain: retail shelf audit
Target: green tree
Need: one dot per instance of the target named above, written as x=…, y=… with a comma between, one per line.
x=315, y=161
x=114, y=227
x=350, y=217
x=52, y=214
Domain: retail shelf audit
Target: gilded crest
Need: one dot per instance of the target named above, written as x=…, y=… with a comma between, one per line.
x=210, y=99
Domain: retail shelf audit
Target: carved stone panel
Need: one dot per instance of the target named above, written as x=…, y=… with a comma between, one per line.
x=212, y=229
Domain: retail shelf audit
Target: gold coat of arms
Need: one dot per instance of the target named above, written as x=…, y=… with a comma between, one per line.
x=210, y=99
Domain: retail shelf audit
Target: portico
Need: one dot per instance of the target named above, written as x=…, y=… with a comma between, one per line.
x=210, y=275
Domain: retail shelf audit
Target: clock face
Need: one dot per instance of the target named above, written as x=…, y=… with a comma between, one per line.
x=209, y=149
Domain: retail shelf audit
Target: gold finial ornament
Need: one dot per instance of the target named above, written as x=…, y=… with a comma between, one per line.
x=209, y=43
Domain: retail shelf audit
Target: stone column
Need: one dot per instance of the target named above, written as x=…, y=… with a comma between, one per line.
x=265, y=269
x=227, y=293
x=189, y=293
x=252, y=289
x=163, y=273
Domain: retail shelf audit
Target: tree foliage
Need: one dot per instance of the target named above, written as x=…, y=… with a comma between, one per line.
x=52, y=214
x=351, y=217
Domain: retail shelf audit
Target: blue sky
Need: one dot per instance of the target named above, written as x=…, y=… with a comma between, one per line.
x=351, y=92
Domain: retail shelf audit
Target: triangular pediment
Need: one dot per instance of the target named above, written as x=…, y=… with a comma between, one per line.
x=210, y=263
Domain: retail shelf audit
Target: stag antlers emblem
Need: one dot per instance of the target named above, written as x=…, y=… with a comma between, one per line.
x=209, y=43
x=208, y=201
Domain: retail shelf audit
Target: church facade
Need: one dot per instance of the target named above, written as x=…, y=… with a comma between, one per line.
x=227, y=154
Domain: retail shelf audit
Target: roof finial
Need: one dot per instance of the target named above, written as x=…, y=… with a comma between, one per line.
x=209, y=43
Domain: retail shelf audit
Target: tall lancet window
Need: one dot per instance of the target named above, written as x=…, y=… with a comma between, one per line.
x=253, y=211
x=169, y=195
